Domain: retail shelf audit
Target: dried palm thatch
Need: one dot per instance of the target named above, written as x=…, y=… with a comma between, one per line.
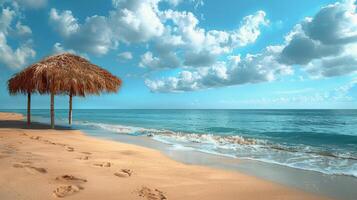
x=63, y=74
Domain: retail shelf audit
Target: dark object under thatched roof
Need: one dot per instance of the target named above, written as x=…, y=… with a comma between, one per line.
x=63, y=74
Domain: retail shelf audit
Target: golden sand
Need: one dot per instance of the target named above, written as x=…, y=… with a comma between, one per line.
x=46, y=164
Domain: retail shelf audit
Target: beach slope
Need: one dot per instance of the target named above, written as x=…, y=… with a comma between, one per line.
x=39, y=163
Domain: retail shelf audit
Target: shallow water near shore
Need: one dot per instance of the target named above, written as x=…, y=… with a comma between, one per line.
x=314, y=150
x=333, y=186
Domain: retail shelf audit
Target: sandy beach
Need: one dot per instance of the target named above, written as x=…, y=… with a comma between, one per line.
x=40, y=163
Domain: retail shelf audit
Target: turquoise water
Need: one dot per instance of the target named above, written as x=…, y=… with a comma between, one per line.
x=317, y=140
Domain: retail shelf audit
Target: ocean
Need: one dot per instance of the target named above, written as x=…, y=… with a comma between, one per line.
x=324, y=141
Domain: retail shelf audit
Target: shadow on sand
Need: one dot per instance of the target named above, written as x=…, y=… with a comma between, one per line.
x=34, y=125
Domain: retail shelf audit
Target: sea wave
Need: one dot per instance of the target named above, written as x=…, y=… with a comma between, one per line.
x=297, y=156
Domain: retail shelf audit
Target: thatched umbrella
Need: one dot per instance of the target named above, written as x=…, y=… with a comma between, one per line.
x=62, y=74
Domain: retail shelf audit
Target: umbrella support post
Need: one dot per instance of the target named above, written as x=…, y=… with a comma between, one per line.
x=70, y=110
x=28, y=109
x=52, y=111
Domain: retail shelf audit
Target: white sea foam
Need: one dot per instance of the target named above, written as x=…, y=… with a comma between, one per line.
x=301, y=157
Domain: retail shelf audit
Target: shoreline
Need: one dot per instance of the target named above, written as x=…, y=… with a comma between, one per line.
x=333, y=186
x=77, y=166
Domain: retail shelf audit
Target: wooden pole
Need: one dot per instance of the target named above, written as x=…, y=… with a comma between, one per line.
x=28, y=109
x=70, y=109
x=52, y=110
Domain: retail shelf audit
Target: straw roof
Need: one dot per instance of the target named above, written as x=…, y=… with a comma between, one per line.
x=64, y=74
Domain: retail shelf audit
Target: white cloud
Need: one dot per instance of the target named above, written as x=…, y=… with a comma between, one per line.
x=334, y=24
x=93, y=36
x=250, y=29
x=14, y=58
x=131, y=21
x=6, y=18
x=196, y=38
x=332, y=66
x=324, y=44
x=58, y=49
x=200, y=47
x=64, y=22
x=166, y=61
x=23, y=30
x=125, y=55
x=136, y=20
x=251, y=69
x=171, y=33
x=11, y=26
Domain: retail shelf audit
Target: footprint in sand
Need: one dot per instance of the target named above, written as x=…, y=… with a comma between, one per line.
x=35, y=137
x=151, y=194
x=27, y=166
x=86, y=153
x=39, y=169
x=83, y=158
x=49, y=142
x=70, y=178
x=70, y=149
x=66, y=190
x=104, y=164
x=124, y=173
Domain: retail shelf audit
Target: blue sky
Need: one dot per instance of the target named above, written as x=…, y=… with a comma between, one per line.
x=191, y=53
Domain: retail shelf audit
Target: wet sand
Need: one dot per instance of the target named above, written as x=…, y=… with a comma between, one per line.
x=39, y=163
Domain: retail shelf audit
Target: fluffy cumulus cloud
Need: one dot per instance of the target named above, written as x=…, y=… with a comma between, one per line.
x=184, y=43
x=250, y=29
x=93, y=36
x=64, y=22
x=131, y=21
x=166, y=60
x=324, y=45
x=175, y=38
x=256, y=68
x=136, y=20
x=14, y=58
x=12, y=27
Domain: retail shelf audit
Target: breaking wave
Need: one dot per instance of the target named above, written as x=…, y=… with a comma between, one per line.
x=297, y=156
